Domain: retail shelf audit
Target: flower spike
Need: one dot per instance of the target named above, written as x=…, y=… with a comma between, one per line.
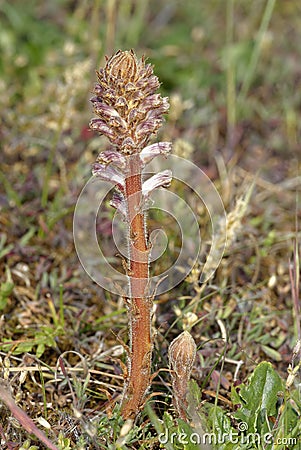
x=126, y=102
x=129, y=111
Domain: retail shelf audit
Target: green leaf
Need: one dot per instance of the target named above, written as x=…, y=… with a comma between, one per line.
x=40, y=350
x=24, y=347
x=172, y=436
x=220, y=434
x=6, y=289
x=3, y=302
x=27, y=236
x=258, y=399
x=219, y=421
x=188, y=436
x=271, y=353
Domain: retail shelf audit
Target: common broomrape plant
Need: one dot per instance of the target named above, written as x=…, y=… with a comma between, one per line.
x=181, y=355
x=129, y=111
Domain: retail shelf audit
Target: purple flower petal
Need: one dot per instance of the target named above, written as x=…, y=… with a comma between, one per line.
x=155, y=101
x=136, y=115
x=146, y=128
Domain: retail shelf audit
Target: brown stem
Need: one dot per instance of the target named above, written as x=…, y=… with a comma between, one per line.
x=179, y=389
x=140, y=304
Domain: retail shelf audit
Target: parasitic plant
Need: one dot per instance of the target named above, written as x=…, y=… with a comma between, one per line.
x=129, y=111
x=181, y=355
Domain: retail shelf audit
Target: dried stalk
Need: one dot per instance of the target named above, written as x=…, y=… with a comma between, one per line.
x=129, y=113
x=26, y=422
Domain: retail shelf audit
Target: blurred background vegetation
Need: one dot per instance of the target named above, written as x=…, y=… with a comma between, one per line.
x=233, y=74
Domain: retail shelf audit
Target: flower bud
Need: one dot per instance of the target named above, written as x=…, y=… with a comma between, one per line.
x=181, y=353
x=126, y=102
x=118, y=203
x=123, y=65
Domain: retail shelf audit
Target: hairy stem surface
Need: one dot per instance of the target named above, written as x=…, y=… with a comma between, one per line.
x=139, y=303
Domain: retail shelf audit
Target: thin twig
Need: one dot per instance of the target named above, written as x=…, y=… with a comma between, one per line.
x=26, y=422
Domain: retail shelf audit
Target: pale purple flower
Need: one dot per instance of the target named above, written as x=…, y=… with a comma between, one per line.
x=148, y=84
x=161, y=179
x=118, y=203
x=130, y=87
x=112, y=157
x=146, y=128
x=121, y=102
x=151, y=151
x=136, y=115
x=108, y=113
x=103, y=128
x=109, y=173
x=128, y=145
x=155, y=101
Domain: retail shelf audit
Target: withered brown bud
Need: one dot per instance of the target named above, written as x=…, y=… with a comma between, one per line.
x=126, y=102
x=123, y=65
x=181, y=354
